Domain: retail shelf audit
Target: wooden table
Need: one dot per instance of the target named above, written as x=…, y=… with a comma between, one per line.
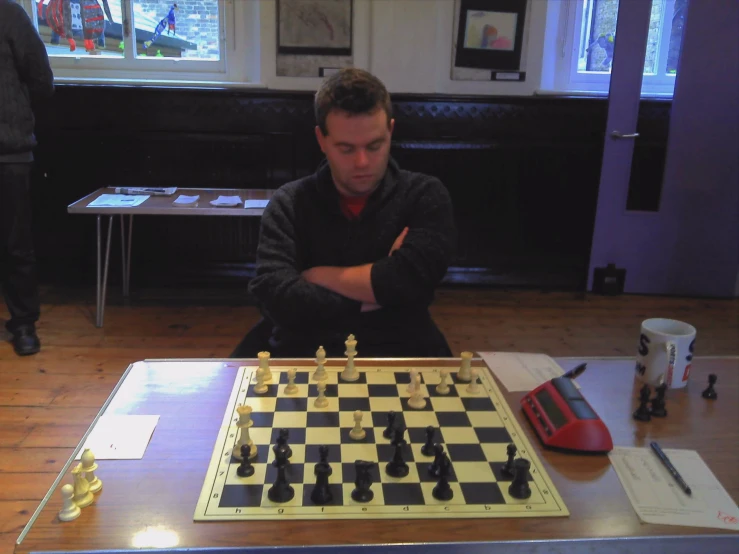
x=150, y=502
x=155, y=206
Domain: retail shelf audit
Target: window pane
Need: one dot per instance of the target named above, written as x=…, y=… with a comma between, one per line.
x=676, y=35
x=186, y=29
x=81, y=27
x=598, y=36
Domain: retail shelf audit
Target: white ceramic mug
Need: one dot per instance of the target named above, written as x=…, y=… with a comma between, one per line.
x=665, y=351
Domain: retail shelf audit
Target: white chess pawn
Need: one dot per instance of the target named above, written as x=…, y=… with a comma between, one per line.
x=321, y=400
x=69, y=510
x=264, y=364
x=82, y=495
x=320, y=373
x=417, y=401
x=412, y=383
x=350, y=372
x=261, y=386
x=473, y=387
x=357, y=433
x=291, y=387
x=88, y=467
x=243, y=425
x=443, y=387
x=464, y=369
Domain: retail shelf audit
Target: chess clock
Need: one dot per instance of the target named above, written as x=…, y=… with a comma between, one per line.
x=564, y=420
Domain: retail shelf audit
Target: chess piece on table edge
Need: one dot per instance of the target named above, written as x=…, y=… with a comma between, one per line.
x=710, y=393
x=464, y=369
x=264, y=364
x=642, y=412
x=88, y=467
x=82, y=495
x=70, y=510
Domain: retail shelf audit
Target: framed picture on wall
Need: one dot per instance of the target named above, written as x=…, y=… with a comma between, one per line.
x=490, y=34
x=317, y=28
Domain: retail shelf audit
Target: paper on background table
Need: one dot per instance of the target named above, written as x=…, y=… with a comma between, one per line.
x=118, y=200
x=521, y=372
x=185, y=199
x=121, y=437
x=657, y=498
x=226, y=201
x=255, y=203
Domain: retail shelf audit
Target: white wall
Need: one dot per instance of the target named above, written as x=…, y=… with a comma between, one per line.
x=408, y=44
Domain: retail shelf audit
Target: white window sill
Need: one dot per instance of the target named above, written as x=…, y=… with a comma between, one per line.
x=158, y=83
x=597, y=94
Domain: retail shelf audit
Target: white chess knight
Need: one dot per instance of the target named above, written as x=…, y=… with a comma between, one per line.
x=464, y=373
x=357, y=433
x=320, y=373
x=88, y=467
x=417, y=401
x=82, y=495
x=69, y=510
x=264, y=364
x=473, y=387
x=261, y=386
x=350, y=372
x=243, y=425
x=291, y=387
x=321, y=400
x=443, y=387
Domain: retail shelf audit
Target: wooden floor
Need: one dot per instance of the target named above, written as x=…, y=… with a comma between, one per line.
x=48, y=400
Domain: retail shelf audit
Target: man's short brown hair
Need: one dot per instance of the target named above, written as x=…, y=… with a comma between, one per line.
x=354, y=91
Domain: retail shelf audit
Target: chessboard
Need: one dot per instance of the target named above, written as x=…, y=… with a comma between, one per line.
x=475, y=428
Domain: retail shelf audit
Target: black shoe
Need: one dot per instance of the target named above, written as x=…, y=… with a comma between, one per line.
x=25, y=341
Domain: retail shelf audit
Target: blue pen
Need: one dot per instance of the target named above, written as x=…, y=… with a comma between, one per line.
x=671, y=468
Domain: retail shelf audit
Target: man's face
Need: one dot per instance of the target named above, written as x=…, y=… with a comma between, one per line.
x=357, y=148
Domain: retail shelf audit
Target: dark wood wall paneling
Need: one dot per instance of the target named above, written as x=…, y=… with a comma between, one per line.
x=523, y=174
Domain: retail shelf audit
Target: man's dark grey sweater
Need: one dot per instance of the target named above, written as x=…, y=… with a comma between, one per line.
x=25, y=77
x=303, y=227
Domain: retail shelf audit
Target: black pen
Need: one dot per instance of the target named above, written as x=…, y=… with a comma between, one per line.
x=576, y=371
x=671, y=468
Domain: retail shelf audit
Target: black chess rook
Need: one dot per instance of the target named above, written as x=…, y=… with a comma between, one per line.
x=519, y=487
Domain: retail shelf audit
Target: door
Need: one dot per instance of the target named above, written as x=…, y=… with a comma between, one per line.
x=690, y=245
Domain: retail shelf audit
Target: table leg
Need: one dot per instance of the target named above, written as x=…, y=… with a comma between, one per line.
x=103, y=289
x=128, y=255
x=98, y=302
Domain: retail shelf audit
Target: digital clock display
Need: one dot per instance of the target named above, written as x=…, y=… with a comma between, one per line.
x=553, y=412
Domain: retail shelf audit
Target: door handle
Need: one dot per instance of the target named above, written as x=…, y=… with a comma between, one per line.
x=618, y=135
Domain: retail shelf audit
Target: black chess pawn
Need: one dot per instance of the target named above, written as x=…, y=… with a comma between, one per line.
x=428, y=448
x=281, y=491
x=388, y=432
x=658, y=402
x=397, y=467
x=363, y=481
x=642, y=412
x=507, y=468
x=282, y=437
x=519, y=487
x=442, y=490
x=709, y=392
x=245, y=469
x=438, y=454
x=321, y=491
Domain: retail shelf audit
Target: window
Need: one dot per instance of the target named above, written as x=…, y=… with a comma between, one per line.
x=586, y=35
x=152, y=40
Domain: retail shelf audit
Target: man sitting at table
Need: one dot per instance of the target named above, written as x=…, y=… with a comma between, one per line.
x=357, y=247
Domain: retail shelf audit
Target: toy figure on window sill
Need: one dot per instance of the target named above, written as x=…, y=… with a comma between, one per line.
x=607, y=43
x=59, y=15
x=169, y=23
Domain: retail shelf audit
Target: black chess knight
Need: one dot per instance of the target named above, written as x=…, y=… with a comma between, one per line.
x=363, y=481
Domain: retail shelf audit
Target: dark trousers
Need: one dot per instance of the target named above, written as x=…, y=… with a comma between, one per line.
x=17, y=258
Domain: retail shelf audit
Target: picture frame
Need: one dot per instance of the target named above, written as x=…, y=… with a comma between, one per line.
x=490, y=34
x=316, y=28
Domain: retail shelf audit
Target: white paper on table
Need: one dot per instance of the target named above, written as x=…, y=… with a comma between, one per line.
x=657, y=498
x=226, y=201
x=255, y=203
x=121, y=437
x=521, y=372
x=118, y=200
x=184, y=199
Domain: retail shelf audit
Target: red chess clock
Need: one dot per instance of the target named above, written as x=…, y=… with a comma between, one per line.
x=564, y=420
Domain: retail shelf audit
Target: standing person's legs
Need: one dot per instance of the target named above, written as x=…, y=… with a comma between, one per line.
x=19, y=280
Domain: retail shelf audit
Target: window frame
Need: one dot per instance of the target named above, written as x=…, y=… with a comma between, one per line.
x=569, y=18
x=235, y=66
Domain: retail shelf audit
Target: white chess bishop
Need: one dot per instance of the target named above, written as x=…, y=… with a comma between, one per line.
x=320, y=373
